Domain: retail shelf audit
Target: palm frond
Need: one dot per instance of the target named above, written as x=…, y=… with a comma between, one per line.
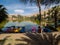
x=43, y=2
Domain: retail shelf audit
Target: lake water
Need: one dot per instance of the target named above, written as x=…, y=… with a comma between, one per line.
x=27, y=24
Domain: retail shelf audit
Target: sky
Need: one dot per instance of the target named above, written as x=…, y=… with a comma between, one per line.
x=16, y=7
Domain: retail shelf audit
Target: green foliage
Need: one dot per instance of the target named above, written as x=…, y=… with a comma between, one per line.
x=47, y=3
x=3, y=13
x=37, y=21
x=3, y=23
x=53, y=15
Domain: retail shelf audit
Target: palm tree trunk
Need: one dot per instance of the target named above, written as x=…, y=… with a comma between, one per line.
x=40, y=13
x=55, y=16
x=39, y=6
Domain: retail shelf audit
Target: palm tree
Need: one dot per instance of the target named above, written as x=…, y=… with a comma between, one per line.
x=49, y=16
x=55, y=12
x=41, y=2
x=44, y=18
x=3, y=13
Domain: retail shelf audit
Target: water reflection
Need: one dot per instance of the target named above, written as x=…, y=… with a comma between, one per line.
x=27, y=24
x=23, y=23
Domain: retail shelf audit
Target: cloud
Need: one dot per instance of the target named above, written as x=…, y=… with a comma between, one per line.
x=32, y=7
x=19, y=11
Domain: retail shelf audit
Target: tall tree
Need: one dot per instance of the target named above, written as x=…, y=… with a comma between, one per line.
x=49, y=16
x=55, y=13
x=3, y=13
x=41, y=2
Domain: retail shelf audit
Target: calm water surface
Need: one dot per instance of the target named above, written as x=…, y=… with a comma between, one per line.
x=27, y=24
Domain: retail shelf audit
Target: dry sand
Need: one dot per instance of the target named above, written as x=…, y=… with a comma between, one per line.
x=14, y=38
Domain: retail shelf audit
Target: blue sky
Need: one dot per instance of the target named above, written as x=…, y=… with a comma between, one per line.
x=16, y=7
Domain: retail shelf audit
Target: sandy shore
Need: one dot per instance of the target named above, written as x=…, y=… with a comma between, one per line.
x=16, y=38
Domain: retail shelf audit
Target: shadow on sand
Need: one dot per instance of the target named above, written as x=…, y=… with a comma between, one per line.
x=3, y=41
x=36, y=39
x=42, y=39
